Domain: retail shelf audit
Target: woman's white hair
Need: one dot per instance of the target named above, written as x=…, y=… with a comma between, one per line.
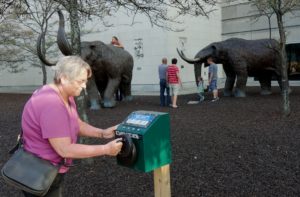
x=70, y=67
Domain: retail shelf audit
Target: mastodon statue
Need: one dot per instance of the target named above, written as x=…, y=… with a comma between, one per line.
x=240, y=59
x=111, y=66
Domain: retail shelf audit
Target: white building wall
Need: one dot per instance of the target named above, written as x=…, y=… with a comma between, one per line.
x=156, y=44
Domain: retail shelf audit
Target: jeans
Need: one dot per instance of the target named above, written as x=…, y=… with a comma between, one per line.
x=213, y=85
x=164, y=100
x=55, y=189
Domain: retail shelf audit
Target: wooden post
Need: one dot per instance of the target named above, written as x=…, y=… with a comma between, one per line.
x=162, y=182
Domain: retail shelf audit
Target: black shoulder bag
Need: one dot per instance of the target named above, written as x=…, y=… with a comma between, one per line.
x=28, y=172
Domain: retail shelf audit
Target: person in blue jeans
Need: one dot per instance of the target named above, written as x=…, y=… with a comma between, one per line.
x=212, y=78
x=165, y=100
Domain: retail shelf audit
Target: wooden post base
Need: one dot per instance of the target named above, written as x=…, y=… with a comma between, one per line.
x=162, y=182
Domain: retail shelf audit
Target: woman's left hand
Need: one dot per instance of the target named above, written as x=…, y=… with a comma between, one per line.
x=109, y=132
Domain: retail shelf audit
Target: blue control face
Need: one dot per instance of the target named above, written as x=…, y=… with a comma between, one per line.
x=138, y=119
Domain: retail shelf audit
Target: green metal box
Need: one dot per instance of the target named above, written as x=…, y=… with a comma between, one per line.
x=150, y=133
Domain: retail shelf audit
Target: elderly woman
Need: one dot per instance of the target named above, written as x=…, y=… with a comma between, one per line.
x=51, y=124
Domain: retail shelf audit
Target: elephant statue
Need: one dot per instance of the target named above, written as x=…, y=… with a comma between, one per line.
x=242, y=58
x=111, y=67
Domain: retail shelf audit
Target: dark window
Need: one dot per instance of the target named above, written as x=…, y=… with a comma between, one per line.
x=293, y=60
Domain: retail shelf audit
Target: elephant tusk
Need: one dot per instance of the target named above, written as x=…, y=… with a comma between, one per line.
x=40, y=53
x=62, y=40
x=191, y=61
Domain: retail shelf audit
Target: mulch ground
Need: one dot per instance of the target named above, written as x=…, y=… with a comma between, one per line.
x=232, y=147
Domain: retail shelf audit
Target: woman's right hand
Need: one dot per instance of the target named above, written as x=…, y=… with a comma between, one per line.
x=114, y=147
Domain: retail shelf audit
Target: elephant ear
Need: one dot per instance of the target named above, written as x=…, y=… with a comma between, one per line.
x=88, y=52
x=215, y=50
x=92, y=46
x=209, y=51
x=219, y=53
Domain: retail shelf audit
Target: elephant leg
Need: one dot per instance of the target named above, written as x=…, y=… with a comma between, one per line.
x=126, y=87
x=229, y=83
x=101, y=90
x=241, y=82
x=265, y=84
x=279, y=81
x=112, y=85
x=93, y=94
x=101, y=85
x=230, y=79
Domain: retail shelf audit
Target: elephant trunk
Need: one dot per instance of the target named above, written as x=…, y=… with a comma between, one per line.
x=62, y=40
x=197, y=71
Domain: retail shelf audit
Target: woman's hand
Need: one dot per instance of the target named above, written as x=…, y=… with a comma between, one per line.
x=114, y=147
x=109, y=132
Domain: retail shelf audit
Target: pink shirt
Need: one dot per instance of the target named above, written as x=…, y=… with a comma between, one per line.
x=45, y=116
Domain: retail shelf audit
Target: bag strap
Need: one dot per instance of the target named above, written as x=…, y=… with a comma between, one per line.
x=20, y=144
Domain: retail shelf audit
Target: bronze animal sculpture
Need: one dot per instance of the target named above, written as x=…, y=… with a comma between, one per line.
x=111, y=66
x=242, y=58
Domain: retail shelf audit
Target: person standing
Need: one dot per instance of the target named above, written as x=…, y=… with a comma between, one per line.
x=213, y=78
x=200, y=88
x=174, y=81
x=115, y=41
x=162, y=69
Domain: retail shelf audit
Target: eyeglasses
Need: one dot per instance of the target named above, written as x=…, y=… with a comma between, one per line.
x=81, y=82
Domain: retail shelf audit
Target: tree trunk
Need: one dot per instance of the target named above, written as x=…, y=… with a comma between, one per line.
x=285, y=82
x=75, y=30
x=44, y=71
x=75, y=40
x=270, y=27
x=43, y=65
